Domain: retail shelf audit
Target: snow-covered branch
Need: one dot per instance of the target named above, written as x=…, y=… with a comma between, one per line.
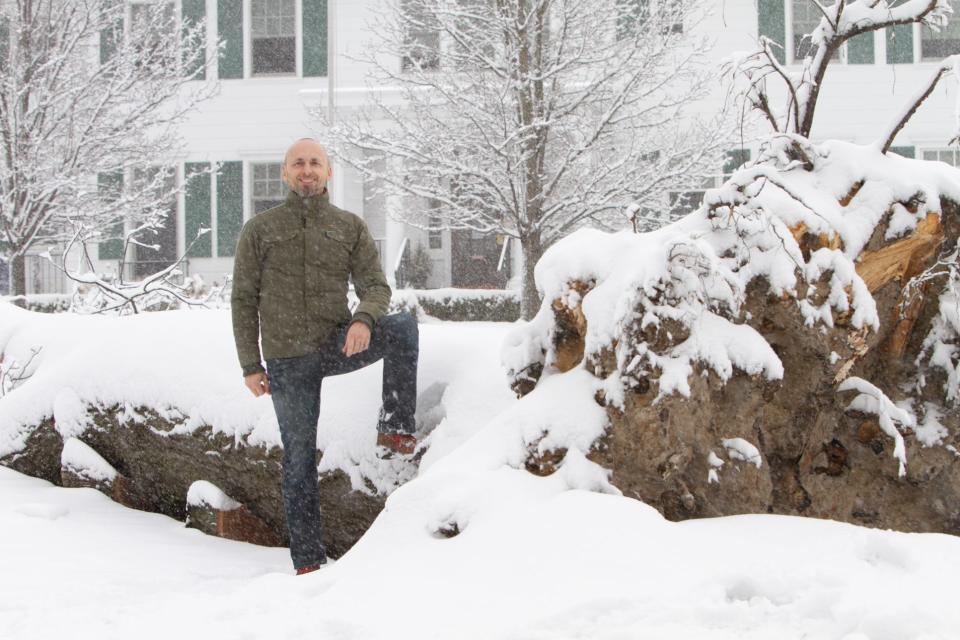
x=98, y=294
x=531, y=118
x=949, y=64
x=841, y=21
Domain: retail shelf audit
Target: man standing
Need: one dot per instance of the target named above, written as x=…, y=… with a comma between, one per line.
x=290, y=293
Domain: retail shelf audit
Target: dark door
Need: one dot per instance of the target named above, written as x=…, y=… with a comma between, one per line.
x=475, y=256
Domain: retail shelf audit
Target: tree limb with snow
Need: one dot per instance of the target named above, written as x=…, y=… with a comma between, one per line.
x=753, y=72
x=86, y=93
x=530, y=119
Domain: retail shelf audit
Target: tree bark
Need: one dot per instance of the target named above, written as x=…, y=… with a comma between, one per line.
x=529, y=297
x=18, y=278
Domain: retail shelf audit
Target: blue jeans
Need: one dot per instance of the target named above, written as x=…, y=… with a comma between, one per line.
x=295, y=390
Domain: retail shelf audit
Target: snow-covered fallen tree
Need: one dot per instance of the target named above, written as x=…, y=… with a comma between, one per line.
x=814, y=272
x=142, y=407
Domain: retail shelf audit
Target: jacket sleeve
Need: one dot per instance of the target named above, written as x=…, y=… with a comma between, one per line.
x=368, y=279
x=245, y=301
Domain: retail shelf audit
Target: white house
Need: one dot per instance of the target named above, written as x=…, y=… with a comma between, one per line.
x=281, y=57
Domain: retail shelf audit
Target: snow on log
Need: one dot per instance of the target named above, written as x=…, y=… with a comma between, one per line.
x=206, y=494
x=86, y=463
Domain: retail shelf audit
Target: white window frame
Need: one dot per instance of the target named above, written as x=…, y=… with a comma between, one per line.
x=841, y=53
x=939, y=150
x=248, y=43
x=918, y=38
x=251, y=173
x=440, y=51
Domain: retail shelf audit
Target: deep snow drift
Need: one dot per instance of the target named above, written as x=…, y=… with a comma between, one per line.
x=556, y=557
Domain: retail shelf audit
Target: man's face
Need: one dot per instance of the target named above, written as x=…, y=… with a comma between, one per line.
x=306, y=168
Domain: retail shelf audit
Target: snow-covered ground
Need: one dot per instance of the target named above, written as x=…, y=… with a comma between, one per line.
x=562, y=556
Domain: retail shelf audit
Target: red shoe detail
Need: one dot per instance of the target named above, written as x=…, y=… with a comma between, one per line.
x=309, y=568
x=402, y=443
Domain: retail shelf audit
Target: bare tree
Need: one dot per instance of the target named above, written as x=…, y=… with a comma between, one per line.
x=89, y=88
x=790, y=107
x=530, y=118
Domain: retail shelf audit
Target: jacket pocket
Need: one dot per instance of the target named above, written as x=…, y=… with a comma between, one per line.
x=283, y=252
x=332, y=255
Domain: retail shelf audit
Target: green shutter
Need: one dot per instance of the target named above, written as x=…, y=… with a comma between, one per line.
x=193, y=13
x=4, y=38
x=109, y=186
x=735, y=158
x=900, y=44
x=314, y=38
x=906, y=152
x=196, y=209
x=113, y=34
x=230, y=30
x=229, y=207
x=860, y=49
x=631, y=14
x=772, y=23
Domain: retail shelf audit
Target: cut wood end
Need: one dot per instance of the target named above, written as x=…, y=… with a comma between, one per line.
x=896, y=261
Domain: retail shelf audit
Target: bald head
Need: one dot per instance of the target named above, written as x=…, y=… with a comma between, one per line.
x=306, y=167
x=305, y=145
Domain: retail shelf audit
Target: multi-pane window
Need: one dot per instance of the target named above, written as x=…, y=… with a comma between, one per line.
x=950, y=156
x=806, y=17
x=269, y=189
x=422, y=38
x=632, y=15
x=684, y=202
x=672, y=11
x=937, y=45
x=435, y=234
x=474, y=25
x=151, y=25
x=273, y=33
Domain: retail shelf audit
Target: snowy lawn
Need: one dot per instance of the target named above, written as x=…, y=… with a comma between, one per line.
x=535, y=558
x=576, y=565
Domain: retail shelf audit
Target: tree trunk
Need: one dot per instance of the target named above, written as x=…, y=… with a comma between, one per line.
x=18, y=278
x=529, y=297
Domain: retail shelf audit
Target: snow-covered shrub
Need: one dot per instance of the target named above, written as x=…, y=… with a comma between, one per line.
x=43, y=302
x=470, y=304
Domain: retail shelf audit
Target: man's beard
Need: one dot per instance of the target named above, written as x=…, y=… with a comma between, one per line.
x=314, y=189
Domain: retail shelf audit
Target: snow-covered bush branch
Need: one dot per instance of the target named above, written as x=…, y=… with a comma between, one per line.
x=96, y=293
x=13, y=373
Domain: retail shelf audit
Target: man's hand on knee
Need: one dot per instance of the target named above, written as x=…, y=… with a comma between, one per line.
x=357, y=340
x=258, y=383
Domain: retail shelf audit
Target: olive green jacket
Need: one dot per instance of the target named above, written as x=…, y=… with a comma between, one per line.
x=290, y=279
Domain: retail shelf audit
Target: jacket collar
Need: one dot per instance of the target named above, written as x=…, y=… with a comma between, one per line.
x=311, y=204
